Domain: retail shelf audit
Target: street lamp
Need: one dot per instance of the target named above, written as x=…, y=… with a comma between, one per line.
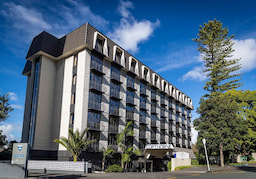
x=204, y=142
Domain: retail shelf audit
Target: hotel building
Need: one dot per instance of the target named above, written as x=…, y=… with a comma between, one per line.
x=84, y=79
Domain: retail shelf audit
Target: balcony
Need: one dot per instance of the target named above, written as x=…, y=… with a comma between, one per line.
x=153, y=136
x=130, y=85
x=96, y=87
x=162, y=124
x=153, y=97
x=162, y=113
x=114, y=147
x=114, y=94
x=95, y=106
x=162, y=101
x=130, y=115
x=172, y=116
x=172, y=128
x=171, y=105
x=142, y=135
x=143, y=120
x=153, y=123
x=153, y=109
x=143, y=105
x=93, y=147
x=116, y=78
x=114, y=112
x=162, y=138
x=130, y=100
x=93, y=125
x=113, y=129
x=143, y=91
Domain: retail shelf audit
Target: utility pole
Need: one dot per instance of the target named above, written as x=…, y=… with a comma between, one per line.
x=204, y=142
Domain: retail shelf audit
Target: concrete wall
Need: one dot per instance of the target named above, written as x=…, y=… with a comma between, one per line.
x=178, y=162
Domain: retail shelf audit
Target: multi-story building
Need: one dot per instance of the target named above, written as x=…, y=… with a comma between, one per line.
x=84, y=79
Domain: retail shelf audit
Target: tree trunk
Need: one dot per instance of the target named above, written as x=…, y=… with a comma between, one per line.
x=221, y=155
x=103, y=163
x=75, y=158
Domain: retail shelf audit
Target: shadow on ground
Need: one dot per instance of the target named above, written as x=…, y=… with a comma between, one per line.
x=248, y=169
x=49, y=176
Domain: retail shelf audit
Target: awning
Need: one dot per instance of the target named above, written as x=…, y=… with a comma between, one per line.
x=157, y=150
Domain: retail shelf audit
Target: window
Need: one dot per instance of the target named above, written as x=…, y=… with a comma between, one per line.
x=113, y=124
x=153, y=93
x=130, y=81
x=130, y=97
x=118, y=56
x=114, y=90
x=153, y=106
x=133, y=65
x=143, y=102
x=93, y=121
x=95, y=81
x=145, y=74
x=75, y=60
x=73, y=98
x=96, y=63
x=94, y=101
x=143, y=117
x=114, y=107
x=74, y=79
x=129, y=112
x=115, y=73
x=71, y=120
x=92, y=135
x=143, y=89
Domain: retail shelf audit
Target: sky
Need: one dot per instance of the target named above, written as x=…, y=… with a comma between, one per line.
x=158, y=33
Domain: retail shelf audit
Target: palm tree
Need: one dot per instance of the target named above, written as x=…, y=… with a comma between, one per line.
x=126, y=152
x=106, y=151
x=75, y=143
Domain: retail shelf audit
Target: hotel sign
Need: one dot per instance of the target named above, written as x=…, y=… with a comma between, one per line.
x=159, y=146
x=19, y=153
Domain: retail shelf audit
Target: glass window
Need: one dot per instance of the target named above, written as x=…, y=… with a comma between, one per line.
x=94, y=101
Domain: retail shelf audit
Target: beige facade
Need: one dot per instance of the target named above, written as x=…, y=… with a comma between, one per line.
x=93, y=82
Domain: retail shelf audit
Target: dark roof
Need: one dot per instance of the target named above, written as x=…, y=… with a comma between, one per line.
x=27, y=68
x=47, y=43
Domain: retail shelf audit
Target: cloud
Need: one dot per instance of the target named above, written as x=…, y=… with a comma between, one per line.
x=246, y=50
x=17, y=106
x=195, y=74
x=178, y=59
x=9, y=130
x=13, y=96
x=194, y=135
x=130, y=32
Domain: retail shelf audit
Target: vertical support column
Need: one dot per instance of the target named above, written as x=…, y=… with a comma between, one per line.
x=136, y=114
x=104, y=123
x=166, y=121
x=158, y=106
x=122, y=105
x=148, y=116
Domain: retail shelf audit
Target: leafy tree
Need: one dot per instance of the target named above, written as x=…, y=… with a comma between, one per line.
x=247, y=110
x=126, y=152
x=216, y=124
x=106, y=151
x=2, y=139
x=75, y=143
x=5, y=107
x=219, y=124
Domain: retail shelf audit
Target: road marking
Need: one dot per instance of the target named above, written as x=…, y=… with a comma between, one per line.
x=171, y=178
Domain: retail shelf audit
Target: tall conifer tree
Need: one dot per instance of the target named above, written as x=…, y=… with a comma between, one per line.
x=218, y=123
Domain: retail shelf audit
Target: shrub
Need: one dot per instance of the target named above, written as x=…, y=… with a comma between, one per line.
x=194, y=162
x=169, y=166
x=114, y=168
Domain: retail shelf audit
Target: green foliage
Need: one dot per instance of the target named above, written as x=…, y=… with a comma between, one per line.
x=114, y=168
x=127, y=152
x=247, y=110
x=218, y=122
x=105, y=152
x=2, y=139
x=194, y=162
x=5, y=107
x=169, y=166
x=216, y=48
x=75, y=143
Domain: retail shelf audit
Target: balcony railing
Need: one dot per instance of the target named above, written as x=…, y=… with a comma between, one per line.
x=162, y=138
x=93, y=125
x=153, y=136
x=153, y=96
x=142, y=134
x=153, y=122
x=143, y=119
x=114, y=111
x=96, y=86
x=143, y=105
x=162, y=113
x=143, y=91
x=130, y=100
x=113, y=129
x=114, y=147
x=162, y=124
x=162, y=101
x=93, y=147
x=94, y=105
x=129, y=115
x=96, y=64
x=153, y=109
x=114, y=93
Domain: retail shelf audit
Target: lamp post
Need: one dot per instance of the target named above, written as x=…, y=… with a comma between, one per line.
x=204, y=142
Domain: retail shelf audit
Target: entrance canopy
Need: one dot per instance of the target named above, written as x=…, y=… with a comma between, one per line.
x=157, y=150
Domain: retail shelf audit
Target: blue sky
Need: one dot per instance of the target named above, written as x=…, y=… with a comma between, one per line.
x=158, y=33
